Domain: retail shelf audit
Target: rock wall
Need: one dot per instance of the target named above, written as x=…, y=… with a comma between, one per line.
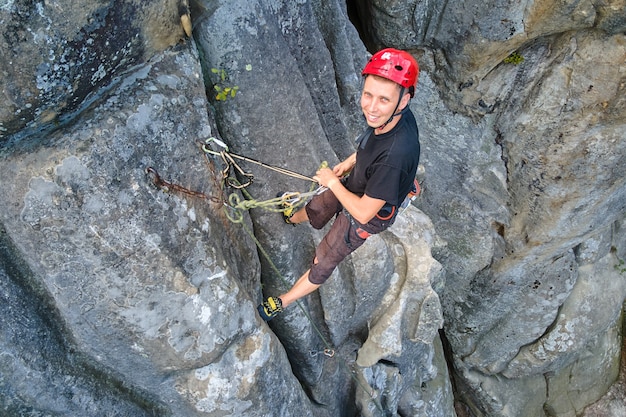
x=533, y=177
x=126, y=294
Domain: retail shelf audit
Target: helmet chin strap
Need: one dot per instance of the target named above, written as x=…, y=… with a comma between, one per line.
x=404, y=110
x=394, y=114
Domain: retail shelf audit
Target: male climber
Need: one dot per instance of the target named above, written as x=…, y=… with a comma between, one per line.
x=381, y=174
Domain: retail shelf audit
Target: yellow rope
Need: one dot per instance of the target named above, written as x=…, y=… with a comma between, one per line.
x=285, y=202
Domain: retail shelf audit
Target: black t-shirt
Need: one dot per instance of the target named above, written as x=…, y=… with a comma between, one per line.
x=387, y=164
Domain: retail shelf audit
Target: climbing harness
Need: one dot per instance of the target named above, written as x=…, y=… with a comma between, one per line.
x=364, y=234
x=411, y=196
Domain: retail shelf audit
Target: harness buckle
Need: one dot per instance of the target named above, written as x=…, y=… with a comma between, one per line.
x=362, y=233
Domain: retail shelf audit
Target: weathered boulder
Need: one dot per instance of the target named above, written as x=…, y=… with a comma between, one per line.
x=471, y=39
x=59, y=57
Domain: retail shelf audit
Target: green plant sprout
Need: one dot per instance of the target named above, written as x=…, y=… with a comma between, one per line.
x=515, y=58
x=223, y=92
x=620, y=265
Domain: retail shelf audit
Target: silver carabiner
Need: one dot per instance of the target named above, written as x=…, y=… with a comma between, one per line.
x=328, y=352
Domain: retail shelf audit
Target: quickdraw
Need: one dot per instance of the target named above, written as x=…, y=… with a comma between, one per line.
x=230, y=165
x=291, y=199
x=229, y=159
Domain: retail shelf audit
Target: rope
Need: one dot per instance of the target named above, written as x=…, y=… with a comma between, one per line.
x=287, y=202
x=276, y=205
x=328, y=350
x=234, y=212
x=229, y=158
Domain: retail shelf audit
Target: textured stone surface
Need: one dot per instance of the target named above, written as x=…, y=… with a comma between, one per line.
x=61, y=56
x=156, y=292
x=139, y=301
x=528, y=190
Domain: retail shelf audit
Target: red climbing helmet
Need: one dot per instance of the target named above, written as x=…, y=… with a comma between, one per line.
x=395, y=65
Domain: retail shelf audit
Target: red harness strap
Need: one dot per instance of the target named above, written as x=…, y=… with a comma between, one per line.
x=362, y=233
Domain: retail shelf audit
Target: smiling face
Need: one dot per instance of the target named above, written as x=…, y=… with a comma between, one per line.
x=378, y=102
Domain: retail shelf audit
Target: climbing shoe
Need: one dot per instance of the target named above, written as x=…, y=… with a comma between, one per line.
x=270, y=308
x=288, y=207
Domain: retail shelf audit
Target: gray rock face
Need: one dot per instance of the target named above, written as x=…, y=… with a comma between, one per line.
x=123, y=294
x=143, y=281
x=534, y=178
x=58, y=58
